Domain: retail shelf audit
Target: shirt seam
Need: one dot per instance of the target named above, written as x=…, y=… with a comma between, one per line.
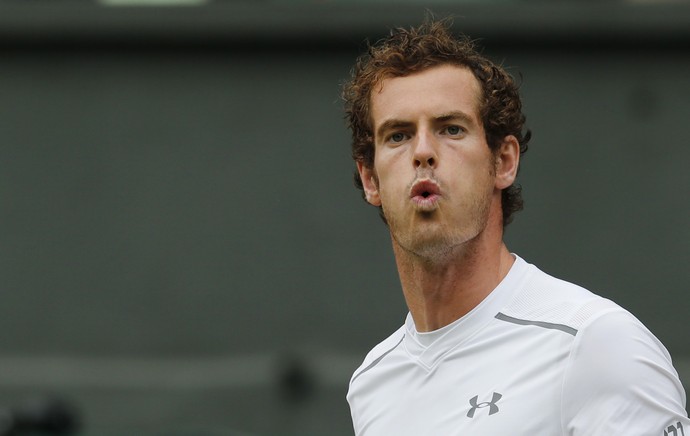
x=377, y=360
x=571, y=357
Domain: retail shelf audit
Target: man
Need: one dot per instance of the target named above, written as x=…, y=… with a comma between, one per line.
x=491, y=345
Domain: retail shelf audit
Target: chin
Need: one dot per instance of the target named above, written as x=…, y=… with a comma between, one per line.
x=432, y=248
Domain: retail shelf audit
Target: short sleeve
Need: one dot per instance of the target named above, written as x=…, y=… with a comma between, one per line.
x=620, y=380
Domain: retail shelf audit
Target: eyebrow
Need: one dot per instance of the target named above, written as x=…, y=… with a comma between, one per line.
x=391, y=125
x=455, y=115
x=401, y=124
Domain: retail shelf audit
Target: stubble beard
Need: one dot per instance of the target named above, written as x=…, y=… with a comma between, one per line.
x=429, y=239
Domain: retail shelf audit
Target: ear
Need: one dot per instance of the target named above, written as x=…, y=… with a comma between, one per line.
x=369, y=181
x=507, y=162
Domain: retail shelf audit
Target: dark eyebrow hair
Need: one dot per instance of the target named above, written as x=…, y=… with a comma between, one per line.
x=392, y=124
x=455, y=115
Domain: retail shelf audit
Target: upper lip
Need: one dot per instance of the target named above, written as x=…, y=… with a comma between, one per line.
x=425, y=188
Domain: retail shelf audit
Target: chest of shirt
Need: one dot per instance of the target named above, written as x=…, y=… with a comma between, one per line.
x=505, y=383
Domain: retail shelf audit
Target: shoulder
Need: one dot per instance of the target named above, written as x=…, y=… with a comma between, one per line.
x=615, y=349
x=546, y=299
x=618, y=377
x=606, y=337
x=618, y=368
x=614, y=346
x=379, y=352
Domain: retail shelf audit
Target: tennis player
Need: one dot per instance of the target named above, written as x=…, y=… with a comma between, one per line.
x=491, y=345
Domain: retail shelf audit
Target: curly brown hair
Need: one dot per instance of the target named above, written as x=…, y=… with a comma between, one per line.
x=408, y=51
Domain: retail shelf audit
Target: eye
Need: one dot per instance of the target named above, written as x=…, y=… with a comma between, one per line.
x=454, y=130
x=398, y=137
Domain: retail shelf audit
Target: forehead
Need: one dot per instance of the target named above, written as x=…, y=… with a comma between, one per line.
x=437, y=90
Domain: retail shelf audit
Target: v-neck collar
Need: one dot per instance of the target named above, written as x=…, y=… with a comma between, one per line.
x=446, y=338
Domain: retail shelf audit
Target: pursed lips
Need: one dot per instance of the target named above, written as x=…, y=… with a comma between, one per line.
x=425, y=194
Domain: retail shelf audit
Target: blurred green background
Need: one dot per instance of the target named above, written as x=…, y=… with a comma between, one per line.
x=182, y=250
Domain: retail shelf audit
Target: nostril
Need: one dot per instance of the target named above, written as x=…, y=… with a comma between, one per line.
x=429, y=162
x=425, y=162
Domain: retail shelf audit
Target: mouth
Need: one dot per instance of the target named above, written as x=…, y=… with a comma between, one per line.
x=425, y=195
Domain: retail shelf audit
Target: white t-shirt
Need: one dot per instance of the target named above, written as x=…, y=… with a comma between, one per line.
x=538, y=357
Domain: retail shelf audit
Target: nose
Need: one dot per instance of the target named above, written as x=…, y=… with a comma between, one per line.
x=425, y=151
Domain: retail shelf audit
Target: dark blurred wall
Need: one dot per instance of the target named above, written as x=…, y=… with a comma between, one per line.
x=182, y=247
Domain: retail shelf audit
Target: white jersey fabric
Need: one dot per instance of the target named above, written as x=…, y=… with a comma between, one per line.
x=539, y=356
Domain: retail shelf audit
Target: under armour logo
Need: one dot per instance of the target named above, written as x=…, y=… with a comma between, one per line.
x=493, y=408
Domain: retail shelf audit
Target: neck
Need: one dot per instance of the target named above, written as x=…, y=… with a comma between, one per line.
x=442, y=290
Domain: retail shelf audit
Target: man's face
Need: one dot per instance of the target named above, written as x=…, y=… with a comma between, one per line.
x=434, y=174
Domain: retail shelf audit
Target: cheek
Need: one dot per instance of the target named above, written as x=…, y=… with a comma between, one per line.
x=386, y=189
x=392, y=193
x=388, y=175
x=473, y=177
x=482, y=164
